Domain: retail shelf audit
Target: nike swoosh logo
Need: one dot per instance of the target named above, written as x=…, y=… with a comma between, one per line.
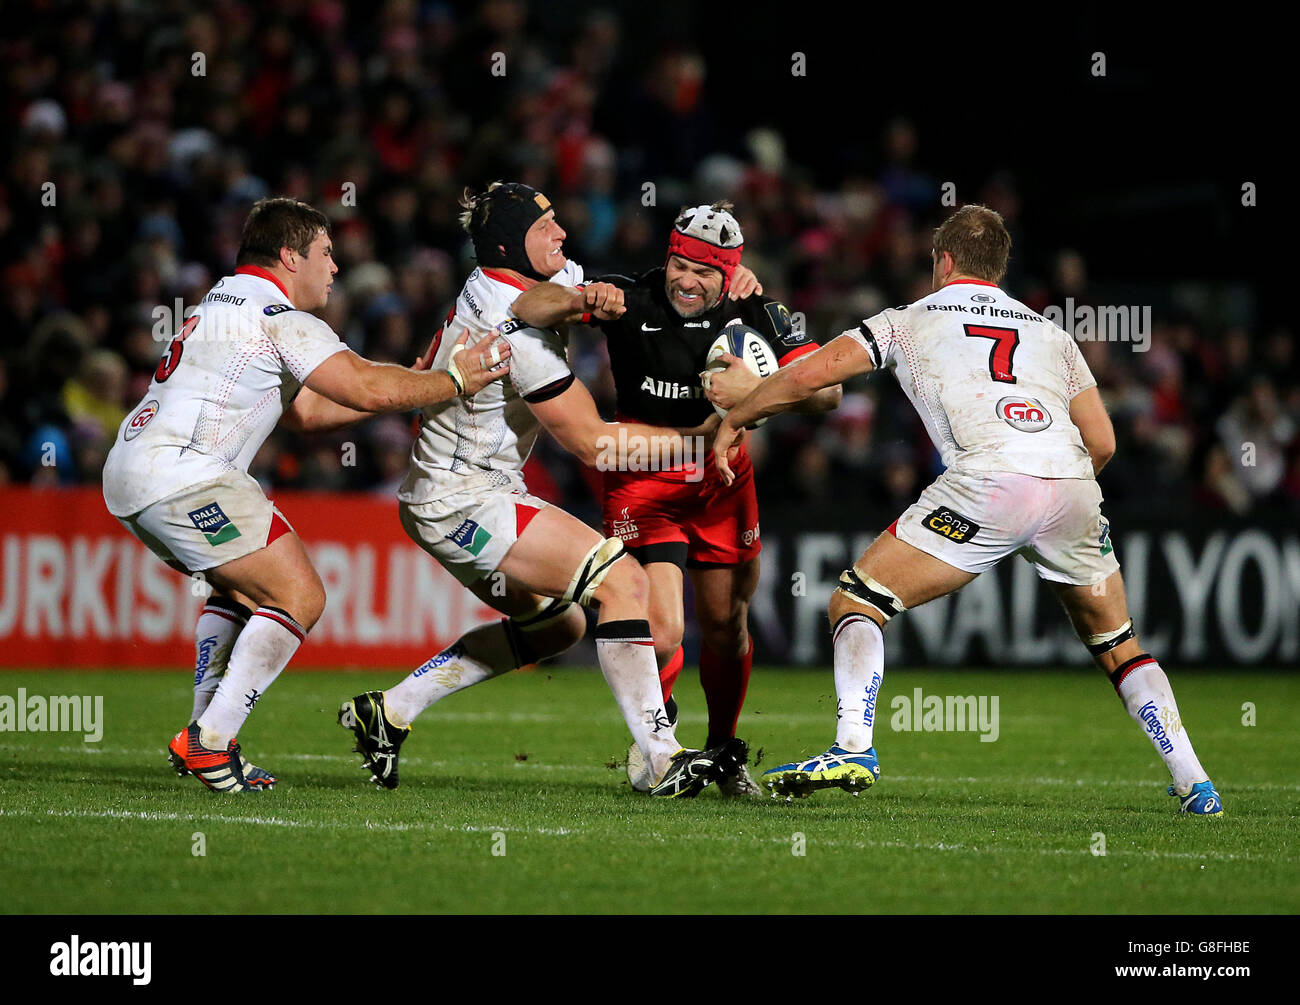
x=646, y=328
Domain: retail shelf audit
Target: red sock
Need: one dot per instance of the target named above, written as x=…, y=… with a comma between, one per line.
x=668, y=675
x=725, y=681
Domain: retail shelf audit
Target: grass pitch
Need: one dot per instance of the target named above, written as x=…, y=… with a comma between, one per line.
x=512, y=800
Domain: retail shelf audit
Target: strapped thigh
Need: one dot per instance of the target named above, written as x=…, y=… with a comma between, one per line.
x=592, y=570
x=865, y=590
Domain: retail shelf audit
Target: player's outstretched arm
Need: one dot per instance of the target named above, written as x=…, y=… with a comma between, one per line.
x=365, y=386
x=1088, y=414
x=827, y=399
x=314, y=413
x=832, y=364
x=311, y=412
x=727, y=388
x=547, y=305
x=572, y=419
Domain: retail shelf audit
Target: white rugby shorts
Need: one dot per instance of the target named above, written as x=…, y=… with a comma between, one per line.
x=469, y=533
x=973, y=520
x=209, y=524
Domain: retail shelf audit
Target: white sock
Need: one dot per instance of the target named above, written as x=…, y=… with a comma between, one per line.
x=220, y=622
x=476, y=656
x=627, y=659
x=1145, y=691
x=265, y=645
x=859, y=647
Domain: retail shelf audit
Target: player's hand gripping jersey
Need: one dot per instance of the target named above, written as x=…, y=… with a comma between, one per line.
x=221, y=386
x=480, y=443
x=991, y=380
x=656, y=355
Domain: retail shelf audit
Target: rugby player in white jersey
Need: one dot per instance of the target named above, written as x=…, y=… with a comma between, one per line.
x=177, y=475
x=1011, y=406
x=464, y=501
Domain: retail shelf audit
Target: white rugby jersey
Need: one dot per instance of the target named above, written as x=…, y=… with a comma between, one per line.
x=482, y=442
x=219, y=389
x=991, y=380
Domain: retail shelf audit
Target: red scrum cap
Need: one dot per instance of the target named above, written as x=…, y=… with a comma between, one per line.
x=710, y=236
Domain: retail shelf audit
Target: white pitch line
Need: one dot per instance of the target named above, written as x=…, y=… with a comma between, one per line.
x=940, y=846
x=153, y=816
x=1001, y=850
x=599, y=767
x=595, y=766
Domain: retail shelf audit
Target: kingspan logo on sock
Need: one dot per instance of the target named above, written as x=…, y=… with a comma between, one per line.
x=1148, y=714
x=214, y=524
x=869, y=699
x=452, y=652
x=205, y=659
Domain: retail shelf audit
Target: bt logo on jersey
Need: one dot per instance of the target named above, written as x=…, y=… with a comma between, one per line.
x=1029, y=415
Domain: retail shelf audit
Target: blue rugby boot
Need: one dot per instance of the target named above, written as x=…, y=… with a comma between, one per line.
x=837, y=768
x=1202, y=799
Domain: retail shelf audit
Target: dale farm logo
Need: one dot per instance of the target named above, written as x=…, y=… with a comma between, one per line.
x=470, y=536
x=214, y=524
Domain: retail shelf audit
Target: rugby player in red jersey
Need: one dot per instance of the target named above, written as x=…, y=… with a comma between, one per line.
x=684, y=520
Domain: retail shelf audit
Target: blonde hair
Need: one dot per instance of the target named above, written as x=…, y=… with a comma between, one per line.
x=470, y=201
x=978, y=241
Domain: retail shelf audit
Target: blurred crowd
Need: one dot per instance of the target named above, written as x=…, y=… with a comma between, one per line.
x=137, y=137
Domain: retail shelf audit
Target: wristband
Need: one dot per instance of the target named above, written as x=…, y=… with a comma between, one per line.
x=453, y=371
x=457, y=381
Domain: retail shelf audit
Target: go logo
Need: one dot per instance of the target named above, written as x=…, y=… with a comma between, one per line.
x=1029, y=415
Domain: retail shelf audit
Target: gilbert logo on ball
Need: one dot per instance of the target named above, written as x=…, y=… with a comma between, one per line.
x=746, y=344
x=1029, y=415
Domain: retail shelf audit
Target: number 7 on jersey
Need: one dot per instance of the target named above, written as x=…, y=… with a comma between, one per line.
x=1003, y=352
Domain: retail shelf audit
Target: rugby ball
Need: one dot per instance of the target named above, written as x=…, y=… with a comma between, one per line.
x=747, y=345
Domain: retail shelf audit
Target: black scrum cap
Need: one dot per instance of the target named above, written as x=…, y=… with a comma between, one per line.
x=498, y=221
